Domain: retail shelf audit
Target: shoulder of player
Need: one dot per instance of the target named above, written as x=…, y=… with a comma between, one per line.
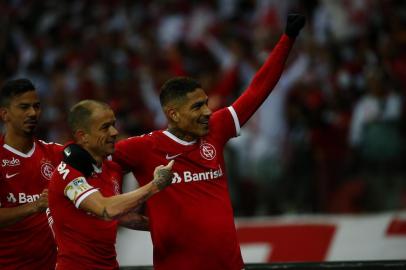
x=66, y=172
x=218, y=116
x=49, y=145
x=110, y=164
x=144, y=140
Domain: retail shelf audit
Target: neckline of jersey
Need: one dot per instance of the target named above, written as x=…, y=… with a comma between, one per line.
x=19, y=153
x=176, y=139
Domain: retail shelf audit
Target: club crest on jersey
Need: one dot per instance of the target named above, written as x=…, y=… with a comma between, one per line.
x=46, y=170
x=13, y=162
x=207, y=151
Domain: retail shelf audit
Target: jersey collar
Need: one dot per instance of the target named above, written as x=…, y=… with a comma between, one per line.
x=176, y=139
x=21, y=154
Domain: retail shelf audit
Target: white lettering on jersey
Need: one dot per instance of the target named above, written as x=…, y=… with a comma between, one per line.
x=11, y=198
x=25, y=198
x=50, y=220
x=116, y=186
x=176, y=178
x=189, y=176
x=22, y=198
x=78, y=189
x=13, y=162
x=63, y=170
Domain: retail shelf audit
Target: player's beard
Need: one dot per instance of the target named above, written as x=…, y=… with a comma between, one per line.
x=30, y=127
x=29, y=132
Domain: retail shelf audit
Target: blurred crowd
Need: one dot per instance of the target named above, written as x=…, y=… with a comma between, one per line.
x=329, y=139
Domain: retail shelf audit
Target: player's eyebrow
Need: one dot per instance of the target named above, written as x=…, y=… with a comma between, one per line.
x=107, y=124
x=199, y=103
x=29, y=103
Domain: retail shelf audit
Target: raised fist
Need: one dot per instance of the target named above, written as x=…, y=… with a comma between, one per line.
x=294, y=24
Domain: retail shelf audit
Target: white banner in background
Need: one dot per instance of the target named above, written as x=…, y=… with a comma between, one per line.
x=298, y=238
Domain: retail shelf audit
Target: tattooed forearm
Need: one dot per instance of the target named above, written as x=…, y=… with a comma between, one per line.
x=135, y=221
x=162, y=178
x=144, y=198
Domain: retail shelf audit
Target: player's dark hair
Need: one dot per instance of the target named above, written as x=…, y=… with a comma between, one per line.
x=177, y=88
x=14, y=88
x=80, y=113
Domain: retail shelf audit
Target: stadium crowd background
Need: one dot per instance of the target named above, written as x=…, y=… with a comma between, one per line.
x=330, y=139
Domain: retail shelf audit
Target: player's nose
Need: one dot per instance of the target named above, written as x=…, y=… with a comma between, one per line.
x=113, y=131
x=206, y=111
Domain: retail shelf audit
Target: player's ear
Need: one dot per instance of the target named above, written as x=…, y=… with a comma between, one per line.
x=81, y=137
x=3, y=114
x=172, y=114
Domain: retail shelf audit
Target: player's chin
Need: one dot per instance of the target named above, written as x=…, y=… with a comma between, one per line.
x=110, y=148
x=30, y=130
x=203, y=131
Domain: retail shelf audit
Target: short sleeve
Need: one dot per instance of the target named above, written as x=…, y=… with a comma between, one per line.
x=74, y=185
x=78, y=189
x=130, y=153
x=54, y=151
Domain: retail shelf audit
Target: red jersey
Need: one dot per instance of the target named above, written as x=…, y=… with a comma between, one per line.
x=84, y=240
x=191, y=221
x=27, y=244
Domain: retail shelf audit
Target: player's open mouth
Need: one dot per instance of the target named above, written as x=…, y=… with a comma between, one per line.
x=111, y=142
x=204, y=122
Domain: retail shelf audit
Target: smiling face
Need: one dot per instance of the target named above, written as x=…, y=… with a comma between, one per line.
x=190, y=115
x=101, y=134
x=22, y=113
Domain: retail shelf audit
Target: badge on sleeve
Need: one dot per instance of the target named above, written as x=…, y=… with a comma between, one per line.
x=78, y=189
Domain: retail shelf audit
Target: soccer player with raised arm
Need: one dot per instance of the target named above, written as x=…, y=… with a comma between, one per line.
x=191, y=223
x=84, y=194
x=26, y=241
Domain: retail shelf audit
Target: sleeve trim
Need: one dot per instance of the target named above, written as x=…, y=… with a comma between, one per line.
x=84, y=196
x=236, y=121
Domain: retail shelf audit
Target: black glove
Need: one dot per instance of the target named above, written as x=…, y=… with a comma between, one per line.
x=79, y=158
x=294, y=24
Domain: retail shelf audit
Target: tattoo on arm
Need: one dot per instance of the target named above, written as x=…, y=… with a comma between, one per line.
x=163, y=178
x=139, y=202
x=135, y=221
x=143, y=198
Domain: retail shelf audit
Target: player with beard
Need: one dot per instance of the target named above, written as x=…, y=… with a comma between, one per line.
x=191, y=223
x=26, y=241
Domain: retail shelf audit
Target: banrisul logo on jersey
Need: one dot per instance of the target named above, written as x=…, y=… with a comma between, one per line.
x=22, y=197
x=207, y=151
x=188, y=176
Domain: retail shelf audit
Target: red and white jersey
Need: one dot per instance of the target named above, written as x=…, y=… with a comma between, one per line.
x=84, y=240
x=27, y=244
x=191, y=221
